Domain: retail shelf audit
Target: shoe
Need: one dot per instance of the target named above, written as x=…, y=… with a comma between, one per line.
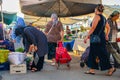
x=82, y=64
x=88, y=72
x=53, y=64
x=34, y=70
x=110, y=73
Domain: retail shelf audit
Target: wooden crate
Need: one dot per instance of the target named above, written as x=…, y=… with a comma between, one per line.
x=18, y=69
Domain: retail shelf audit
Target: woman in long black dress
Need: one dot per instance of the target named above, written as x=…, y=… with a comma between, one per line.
x=99, y=49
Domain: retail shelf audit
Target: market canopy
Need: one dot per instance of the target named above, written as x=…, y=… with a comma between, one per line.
x=64, y=8
x=42, y=21
x=69, y=20
x=110, y=8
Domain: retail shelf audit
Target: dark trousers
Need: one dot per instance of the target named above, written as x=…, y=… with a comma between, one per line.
x=51, y=50
x=39, y=65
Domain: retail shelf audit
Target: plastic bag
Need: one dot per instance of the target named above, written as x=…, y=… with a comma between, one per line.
x=16, y=58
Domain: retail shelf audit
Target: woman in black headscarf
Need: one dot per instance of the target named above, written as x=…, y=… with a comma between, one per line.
x=36, y=40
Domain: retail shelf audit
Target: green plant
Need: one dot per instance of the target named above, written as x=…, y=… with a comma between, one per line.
x=19, y=50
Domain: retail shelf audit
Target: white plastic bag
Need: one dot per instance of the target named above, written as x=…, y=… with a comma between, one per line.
x=16, y=57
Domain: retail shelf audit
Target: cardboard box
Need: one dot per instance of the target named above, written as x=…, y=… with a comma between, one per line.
x=18, y=69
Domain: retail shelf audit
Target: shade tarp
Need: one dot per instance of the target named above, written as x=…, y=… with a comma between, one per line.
x=42, y=21
x=63, y=8
x=110, y=8
x=8, y=18
x=70, y=20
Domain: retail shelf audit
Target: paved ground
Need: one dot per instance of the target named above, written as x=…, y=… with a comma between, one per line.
x=51, y=73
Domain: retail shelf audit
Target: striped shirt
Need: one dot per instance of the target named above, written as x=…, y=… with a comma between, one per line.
x=113, y=30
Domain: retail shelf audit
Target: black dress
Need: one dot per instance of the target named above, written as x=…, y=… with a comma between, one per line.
x=99, y=49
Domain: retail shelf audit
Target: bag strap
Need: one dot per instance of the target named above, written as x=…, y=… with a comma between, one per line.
x=52, y=28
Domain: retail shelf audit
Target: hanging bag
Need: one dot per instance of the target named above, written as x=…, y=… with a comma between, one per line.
x=116, y=55
x=95, y=39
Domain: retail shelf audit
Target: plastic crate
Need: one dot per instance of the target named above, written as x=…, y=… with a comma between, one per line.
x=18, y=69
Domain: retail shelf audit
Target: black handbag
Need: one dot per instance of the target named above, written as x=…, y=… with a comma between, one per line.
x=95, y=39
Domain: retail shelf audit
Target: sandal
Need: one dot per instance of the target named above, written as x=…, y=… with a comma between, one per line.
x=34, y=70
x=88, y=72
x=53, y=63
x=110, y=73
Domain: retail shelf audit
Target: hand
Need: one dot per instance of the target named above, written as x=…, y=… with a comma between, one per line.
x=86, y=38
x=35, y=48
x=107, y=38
x=1, y=40
x=14, y=41
x=32, y=48
x=61, y=40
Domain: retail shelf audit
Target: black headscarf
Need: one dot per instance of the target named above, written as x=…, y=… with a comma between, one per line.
x=19, y=31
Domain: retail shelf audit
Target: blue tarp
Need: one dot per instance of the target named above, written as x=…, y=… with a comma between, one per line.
x=18, y=22
x=69, y=45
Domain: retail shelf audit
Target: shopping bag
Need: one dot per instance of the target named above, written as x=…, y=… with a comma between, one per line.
x=117, y=57
x=117, y=39
x=62, y=55
x=85, y=55
x=16, y=57
x=36, y=58
x=33, y=56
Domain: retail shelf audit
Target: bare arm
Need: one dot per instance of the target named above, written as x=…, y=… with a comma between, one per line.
x=62, y=35
x=61, y=31
x=94, y=24
x=107, y=30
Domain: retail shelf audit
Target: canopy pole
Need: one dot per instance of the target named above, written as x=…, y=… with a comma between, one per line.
x=2, y=19
x=59, y=11
x=100, y=1
x=1, y=11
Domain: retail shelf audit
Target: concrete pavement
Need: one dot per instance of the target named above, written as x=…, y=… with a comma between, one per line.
x=51, y=73
x=75, y=73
